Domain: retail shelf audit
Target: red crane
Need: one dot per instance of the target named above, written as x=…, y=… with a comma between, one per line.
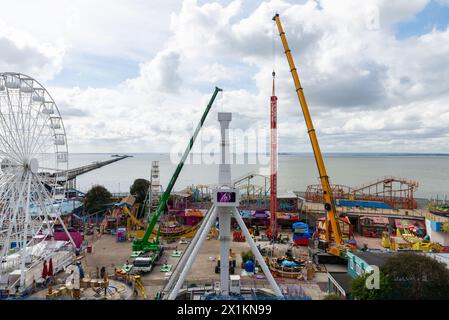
x=274, y=161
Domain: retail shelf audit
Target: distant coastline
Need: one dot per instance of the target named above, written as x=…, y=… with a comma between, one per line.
x=347, y=154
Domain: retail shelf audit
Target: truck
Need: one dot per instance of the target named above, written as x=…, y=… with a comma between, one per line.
x=144, y=264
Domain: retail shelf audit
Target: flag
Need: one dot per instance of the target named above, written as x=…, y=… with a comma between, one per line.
x=50, y=267
x=45, y=271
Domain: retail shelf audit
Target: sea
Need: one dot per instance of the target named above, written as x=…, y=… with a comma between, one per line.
x=295, y=171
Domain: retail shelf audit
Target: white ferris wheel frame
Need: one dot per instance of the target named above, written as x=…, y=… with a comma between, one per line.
x=24, y=184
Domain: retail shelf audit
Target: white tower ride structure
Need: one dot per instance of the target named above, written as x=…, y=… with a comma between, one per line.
x=226, y=200
x=224, y=212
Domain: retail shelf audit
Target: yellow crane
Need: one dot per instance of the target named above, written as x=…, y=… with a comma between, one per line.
x=339, y=249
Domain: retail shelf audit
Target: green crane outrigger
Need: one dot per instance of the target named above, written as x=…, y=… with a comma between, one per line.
x=144, y=244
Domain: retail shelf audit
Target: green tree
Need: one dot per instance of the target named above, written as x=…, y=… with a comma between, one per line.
x=415, y=276
x=247, y=255
x=97, y=198
x=360, y=290
x=139, y=189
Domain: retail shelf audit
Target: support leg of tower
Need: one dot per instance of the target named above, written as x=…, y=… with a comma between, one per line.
x=257, y=254
x=174, y=293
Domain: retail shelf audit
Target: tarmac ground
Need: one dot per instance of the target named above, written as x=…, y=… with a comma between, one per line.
x=109, y=253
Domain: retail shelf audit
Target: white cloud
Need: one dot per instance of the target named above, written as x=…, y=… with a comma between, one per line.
x=159, y=74
x=197, y=28
x=19, y=51
x=125, y=29
x=213, y=73
x=367, y=90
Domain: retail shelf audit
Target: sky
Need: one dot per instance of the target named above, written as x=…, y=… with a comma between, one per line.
x=136, y=75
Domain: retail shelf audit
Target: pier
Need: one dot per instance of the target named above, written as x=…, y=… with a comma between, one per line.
x=73, y=173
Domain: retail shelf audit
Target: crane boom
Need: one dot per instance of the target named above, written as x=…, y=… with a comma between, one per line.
x=329, y=204
x=143, y=244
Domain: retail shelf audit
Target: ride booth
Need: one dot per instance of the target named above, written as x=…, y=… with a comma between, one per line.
x=121, y=234
x=246, y=216
x=193, y=216
x=285, y=219
x=260, y=218
x=373, y=227
x=59, y=234
x=301, y=233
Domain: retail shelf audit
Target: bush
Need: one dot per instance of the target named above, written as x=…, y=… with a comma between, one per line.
x=360, y=291
x=333, y=296
x=97, y=198
x=415, y=276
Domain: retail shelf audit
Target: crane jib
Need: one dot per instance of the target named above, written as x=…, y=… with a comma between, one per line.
x=166, y=194
x=327, y=192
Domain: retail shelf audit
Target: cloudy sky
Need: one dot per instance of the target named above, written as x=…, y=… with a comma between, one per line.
x=135, y=75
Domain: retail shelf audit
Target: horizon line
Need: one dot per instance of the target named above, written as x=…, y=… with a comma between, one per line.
x=286, y=153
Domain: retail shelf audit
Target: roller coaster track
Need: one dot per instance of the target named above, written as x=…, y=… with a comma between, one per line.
x=397, y=192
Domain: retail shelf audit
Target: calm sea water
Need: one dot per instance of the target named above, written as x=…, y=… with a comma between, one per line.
x=295, y=171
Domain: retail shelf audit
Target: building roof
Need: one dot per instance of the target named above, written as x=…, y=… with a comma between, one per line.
x=376, y=258
x=441, y=257
x=343, y=279
x=181, y=194
x=287, y=195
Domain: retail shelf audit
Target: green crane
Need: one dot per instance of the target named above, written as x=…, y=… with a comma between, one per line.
x=144, y=244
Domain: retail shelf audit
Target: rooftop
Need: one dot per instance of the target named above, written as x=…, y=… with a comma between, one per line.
x=374, y=257
x=343, y=279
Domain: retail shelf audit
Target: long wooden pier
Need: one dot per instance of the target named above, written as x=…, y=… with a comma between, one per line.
x=73, y=173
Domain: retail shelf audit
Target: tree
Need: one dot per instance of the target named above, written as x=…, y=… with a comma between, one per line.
x=360, y=290
x=247, y=255
x=97, y=198
x=139, y=189
x=415, y=276
x=445, y=227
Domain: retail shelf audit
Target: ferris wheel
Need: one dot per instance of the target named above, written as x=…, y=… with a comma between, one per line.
x=33, y=170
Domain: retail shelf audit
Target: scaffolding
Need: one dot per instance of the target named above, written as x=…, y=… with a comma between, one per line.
x=253, y=195
x=155, y=189
x=200, y=192
x=314, y=192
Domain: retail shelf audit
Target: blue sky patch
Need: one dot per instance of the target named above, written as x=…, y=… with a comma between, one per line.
x=434, y=16
x=95, y=71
